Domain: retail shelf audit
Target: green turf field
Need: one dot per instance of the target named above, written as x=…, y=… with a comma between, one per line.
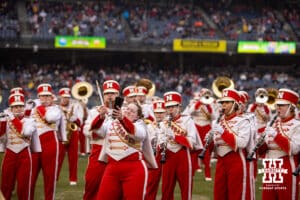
x=202, y=190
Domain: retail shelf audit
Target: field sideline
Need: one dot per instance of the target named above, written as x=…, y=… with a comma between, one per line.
x=202, y=190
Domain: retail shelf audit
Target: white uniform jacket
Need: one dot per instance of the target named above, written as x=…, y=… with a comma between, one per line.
x=287, y=140
x=120, y=143
x=180, y=132
x=236, y=135
x=17, y=132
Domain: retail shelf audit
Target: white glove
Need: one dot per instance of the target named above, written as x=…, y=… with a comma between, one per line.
x=9, y=114
x=170, y=136
x=270, y=131
x=217, y=128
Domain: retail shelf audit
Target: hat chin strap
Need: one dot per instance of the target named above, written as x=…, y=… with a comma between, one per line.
x=232, y=108
x=287, y=111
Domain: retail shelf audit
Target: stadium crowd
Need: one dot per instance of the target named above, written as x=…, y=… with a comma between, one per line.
x=190, y=79
x=153, y=24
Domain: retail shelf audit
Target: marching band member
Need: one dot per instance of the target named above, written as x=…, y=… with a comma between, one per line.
x=47, y=117
x=73, y=113
x=127, y=151
x=231, y=137
x=262, y=116
x=195, y=99
x=155, y=131
x=260, y=109
x=283, y=142
x=95, y=169
x=16, y=163
x=203, y=113
x=180, y=138
x=129, y=94
x=141, y=97
x=251, y=166
x=244, y=100
x=13, y=91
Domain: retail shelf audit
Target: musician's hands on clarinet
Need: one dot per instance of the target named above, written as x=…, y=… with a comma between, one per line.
x=270, y=131
x=217, y=128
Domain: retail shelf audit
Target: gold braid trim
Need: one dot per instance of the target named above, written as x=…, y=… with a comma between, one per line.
x=261, y=115
x=207, y=114
x=225, y=125
x=17, y=133
x=177, y=129
x=278, y=127
x=125, y=136
x=39, y=119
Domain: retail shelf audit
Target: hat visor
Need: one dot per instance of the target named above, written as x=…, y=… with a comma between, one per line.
x=131, y=95
x=65, y=95
x=17, y=104
x=225, y=99
x=159, y=110
x=110, y=91
x=282, y=102
x=44, y=93
x=171, y=103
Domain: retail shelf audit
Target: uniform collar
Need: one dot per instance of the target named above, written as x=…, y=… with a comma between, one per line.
x=287, y=119
x=229, y=117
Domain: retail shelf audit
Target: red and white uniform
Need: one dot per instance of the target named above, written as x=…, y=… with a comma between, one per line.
x=285, y=145
x=231, y=143
x=202, y=115
x=17, y=163
x=262, y=113
x=146, y=106
x=148, y=111
x=231, y=170
x=95, y=169
x=126, y=148
x=73, y=113
x=182, y=137
x=47, y=122
x=155, y=131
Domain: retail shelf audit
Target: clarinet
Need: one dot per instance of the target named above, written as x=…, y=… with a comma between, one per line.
x=209, y=139
x=260, y=141
x=154, y=141
x=164, y=145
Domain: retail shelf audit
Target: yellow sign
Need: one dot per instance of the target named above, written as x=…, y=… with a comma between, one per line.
x=199, y=45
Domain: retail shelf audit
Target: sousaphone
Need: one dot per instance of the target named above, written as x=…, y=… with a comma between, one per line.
x=82, y=91
x=272, y=95
x=147, y=84
x=220, y=83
